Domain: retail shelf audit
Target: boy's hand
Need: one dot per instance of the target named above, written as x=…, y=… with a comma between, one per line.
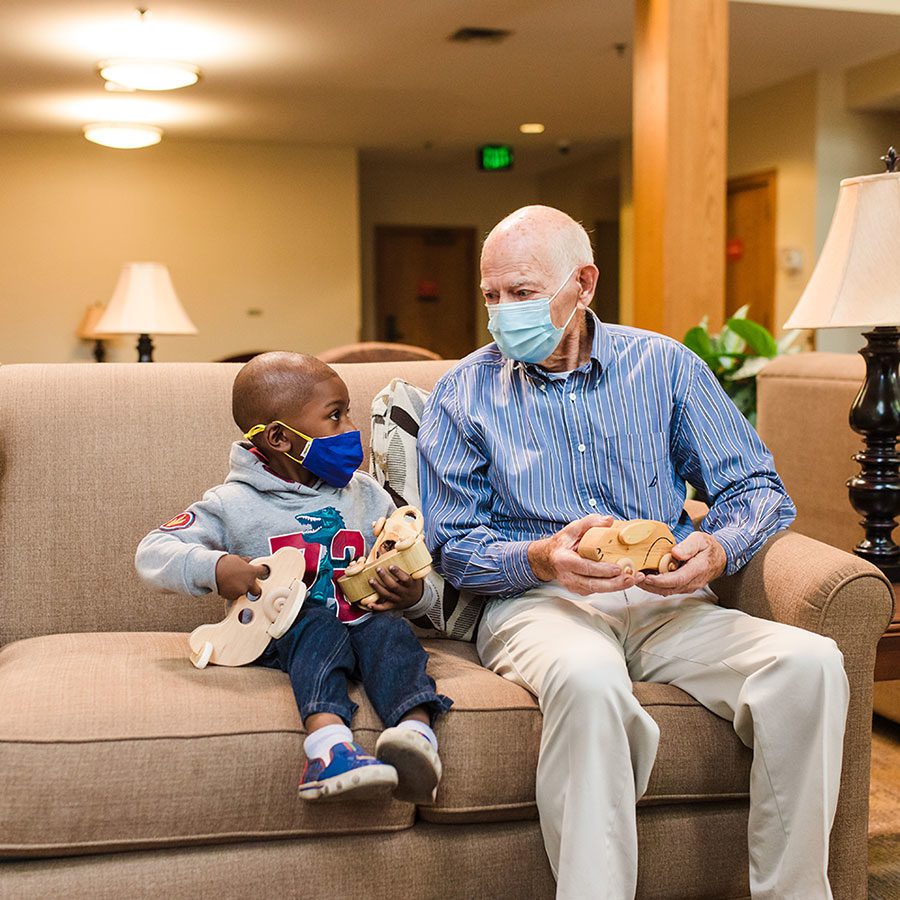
x=396, y=589
x=235, y=576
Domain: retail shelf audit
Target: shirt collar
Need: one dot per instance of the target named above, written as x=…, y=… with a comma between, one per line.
x=601, y=358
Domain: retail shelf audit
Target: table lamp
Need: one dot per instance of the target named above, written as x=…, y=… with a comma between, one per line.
x=856, y=283
x=145, y=303
x=87, y=330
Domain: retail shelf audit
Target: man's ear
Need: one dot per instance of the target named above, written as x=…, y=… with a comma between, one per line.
x=587, y=282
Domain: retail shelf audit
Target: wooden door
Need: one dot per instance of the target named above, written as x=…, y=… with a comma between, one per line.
x=750, y=247
x=426, y=287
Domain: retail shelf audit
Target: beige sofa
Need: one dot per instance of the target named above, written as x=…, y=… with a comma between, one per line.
x=125, y=772
x=804, y=405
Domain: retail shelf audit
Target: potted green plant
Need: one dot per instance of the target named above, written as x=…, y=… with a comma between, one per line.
x=737, y=353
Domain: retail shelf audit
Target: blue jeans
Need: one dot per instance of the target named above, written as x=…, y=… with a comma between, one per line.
x=320, y=653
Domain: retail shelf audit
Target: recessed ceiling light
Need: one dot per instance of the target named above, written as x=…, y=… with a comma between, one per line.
x=532, y=128
x=149, y=75
x=123, y=136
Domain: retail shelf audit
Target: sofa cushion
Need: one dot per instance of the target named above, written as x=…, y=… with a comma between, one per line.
x=114, y=741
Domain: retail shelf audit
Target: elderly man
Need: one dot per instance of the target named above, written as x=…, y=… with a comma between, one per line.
x=560, y=424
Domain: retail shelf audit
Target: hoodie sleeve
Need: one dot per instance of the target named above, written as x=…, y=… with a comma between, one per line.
x=181, y=555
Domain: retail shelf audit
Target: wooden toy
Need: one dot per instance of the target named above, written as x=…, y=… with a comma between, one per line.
x=399, y=543
x=642, y=544
x=253, y=621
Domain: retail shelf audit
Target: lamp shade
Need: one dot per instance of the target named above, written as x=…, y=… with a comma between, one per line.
x=856, y=282
x=87, y=328
x=145, y=302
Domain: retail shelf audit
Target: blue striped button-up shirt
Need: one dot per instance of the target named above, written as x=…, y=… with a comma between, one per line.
x=510, y=453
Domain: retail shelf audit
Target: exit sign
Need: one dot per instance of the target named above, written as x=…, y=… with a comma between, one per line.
x=495, y=157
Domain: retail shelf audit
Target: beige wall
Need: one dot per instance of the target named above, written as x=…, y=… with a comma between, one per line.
x=268, y=227
x=448, y=192
x=848, y=143
x=776, y=129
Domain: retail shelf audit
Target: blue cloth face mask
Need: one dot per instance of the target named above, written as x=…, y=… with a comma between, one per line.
x=333, y=458
x=524, y=330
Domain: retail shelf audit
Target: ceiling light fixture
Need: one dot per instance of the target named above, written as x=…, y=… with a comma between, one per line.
x=531, y=128
x=148, y=75
x=122, y=136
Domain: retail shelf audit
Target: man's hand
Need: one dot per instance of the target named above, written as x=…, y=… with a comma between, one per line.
x=703, y=561
x=555, y=559
x=395, y=588
x=236, y=576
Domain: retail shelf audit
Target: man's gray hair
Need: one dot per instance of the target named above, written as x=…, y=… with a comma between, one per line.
x=571, y=248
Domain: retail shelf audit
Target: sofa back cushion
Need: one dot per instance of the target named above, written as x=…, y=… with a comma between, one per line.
x=803, y=408
x=92, y=457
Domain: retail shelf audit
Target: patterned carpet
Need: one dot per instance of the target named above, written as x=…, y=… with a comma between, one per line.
x=884, y=812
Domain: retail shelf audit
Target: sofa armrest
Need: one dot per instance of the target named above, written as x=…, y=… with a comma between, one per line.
x=803, y=582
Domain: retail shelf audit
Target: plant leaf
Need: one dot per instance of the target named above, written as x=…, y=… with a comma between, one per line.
x=698, y=340
x=758, y=338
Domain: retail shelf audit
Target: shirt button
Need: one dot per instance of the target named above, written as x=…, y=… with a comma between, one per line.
x=572, y=397
x=543, y=387
x=592, y=502
x=581, y=448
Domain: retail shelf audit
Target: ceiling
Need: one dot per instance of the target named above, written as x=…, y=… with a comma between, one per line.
x=382, y=76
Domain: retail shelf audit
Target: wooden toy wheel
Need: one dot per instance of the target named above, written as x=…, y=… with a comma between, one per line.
x=202, y=657
x=627, y=565
x=667, y=564
x=356, y=566
x=410, y=512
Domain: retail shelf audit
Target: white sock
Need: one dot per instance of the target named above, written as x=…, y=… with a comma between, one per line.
x=318, y=744
x=422, y=728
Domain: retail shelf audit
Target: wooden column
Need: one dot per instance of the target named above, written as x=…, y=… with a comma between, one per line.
x=679, y=151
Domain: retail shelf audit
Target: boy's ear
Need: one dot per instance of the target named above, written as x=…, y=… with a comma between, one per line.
x=275, y=438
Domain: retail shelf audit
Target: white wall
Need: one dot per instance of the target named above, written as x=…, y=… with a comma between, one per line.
x=267, y=227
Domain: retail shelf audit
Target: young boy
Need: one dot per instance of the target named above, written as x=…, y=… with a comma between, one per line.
x=294, y=481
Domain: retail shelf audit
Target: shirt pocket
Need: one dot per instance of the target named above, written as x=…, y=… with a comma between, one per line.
x=640, y=475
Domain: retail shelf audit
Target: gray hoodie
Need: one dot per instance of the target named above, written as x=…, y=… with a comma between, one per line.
x=254, y=513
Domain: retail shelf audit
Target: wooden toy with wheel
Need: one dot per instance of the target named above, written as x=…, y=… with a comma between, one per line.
x=253, y=621
x=399, y=542
x=641, y=544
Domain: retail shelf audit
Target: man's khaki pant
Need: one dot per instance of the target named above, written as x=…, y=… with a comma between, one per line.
x=783, y=688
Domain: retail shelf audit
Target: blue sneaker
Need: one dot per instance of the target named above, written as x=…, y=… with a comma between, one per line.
x=350, y=773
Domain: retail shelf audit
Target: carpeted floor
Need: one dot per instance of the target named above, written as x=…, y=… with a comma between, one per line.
x=884, y=812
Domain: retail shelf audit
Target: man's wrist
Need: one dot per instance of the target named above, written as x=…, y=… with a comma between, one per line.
x=539, y=560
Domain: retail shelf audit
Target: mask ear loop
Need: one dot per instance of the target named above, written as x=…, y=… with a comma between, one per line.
x=258, y=429
x=574, y=309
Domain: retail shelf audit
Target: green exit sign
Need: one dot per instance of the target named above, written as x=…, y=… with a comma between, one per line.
x=495, y=157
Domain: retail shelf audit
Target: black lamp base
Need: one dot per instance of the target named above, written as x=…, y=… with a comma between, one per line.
x=145, y=348
x=875, y=414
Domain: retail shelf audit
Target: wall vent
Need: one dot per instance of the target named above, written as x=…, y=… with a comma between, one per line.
x=482, y=35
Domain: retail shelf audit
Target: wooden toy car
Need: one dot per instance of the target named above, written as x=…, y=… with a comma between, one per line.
x=399, y=543
x=641, y=544
x=253, y=621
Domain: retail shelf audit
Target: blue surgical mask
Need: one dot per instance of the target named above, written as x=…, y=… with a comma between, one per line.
x=333, y=458
x=524, y=330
